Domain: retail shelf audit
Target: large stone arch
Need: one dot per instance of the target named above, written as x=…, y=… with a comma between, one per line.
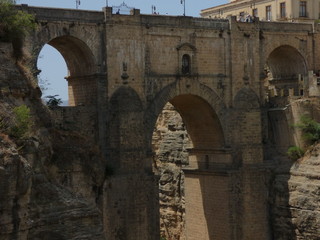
x=79, y=57
x=188, y=96
x=81, y=64
x=285, y=68
x=286, y=60
x=206, y=196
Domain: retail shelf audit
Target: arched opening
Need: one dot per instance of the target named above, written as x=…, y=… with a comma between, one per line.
x=81, y=69
x=188, y=143
x=286, y=73
x=186, y=64
x=51, y=79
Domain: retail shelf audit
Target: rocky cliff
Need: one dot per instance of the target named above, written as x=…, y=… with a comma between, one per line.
x=170, y=142
x=49, y=178
x=295, y=198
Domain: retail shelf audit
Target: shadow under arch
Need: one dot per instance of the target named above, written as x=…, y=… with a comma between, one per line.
x=81, y=64
x=129, y=197
x=286, y=69
x=124, y=126
x=286, y=61
x=206, y=181
x=202, y=123
x=196, y=94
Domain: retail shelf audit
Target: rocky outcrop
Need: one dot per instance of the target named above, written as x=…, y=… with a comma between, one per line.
x=296, y=196
x=170, y=142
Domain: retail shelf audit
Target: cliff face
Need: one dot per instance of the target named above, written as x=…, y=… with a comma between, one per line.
x=294, y=192
x=50, y=180
x=296, y=196
x=170, y=141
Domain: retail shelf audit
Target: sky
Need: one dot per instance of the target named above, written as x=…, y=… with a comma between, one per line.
x=51, y=63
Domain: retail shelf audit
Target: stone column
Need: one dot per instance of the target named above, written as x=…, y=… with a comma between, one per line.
x=131, y=209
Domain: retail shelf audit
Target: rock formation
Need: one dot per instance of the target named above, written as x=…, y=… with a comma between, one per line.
x=49, y=179
x=295, y=198
x=170, y=142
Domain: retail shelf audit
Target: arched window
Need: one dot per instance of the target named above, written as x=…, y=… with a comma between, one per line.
x=186, y=64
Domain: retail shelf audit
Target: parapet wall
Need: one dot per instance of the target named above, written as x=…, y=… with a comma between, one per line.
x=58, y=14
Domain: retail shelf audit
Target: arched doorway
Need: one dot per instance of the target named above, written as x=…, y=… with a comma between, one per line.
x=81, y=69
x=286, y=73
x=190, y=157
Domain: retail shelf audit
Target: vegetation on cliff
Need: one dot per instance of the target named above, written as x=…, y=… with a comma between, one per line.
x=310, y=129
x=14, y=24
x=18, y=125
x=310, y=132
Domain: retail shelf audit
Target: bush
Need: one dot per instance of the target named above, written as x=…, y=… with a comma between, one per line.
x=295, y=152
x=310, y=129
x=22, y=122
x=14, y=24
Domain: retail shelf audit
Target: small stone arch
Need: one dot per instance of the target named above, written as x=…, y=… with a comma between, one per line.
x=246, y=128
x=187, y=58
x=125, y=128
x=246, y=98
x=186, y=64
x=125, y=99
x=81, y=64
x=190, y=102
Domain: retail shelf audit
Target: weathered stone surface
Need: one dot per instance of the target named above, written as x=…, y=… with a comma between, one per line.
x=49, y=179
x=170, y=142
x=296, y=208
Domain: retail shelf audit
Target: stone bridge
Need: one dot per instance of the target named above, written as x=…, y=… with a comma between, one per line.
x=222, y=76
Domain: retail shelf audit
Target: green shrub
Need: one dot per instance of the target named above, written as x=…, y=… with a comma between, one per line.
x=310, y=129
x=14, y=24
x=295, y=152
x=22, y=122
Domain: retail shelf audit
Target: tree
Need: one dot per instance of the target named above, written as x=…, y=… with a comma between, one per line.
x=53, y=101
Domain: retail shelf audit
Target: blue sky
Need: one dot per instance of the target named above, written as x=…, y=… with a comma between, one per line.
x=51, y=62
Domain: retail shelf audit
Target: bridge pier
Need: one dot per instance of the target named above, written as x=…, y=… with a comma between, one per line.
x=224, y=201
x=130, y=207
